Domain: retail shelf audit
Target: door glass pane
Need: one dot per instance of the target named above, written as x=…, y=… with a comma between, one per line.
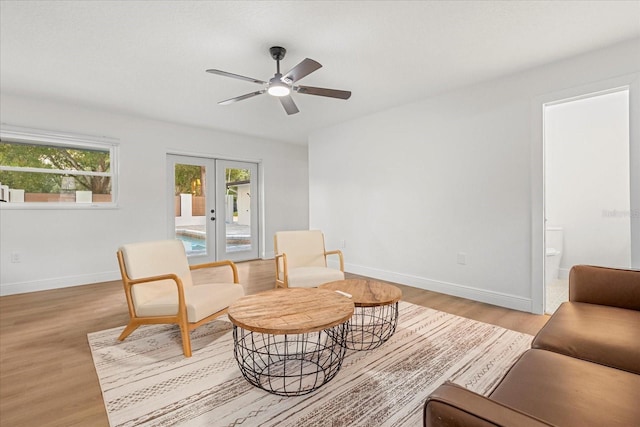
x=190, y=205
x=237, y=209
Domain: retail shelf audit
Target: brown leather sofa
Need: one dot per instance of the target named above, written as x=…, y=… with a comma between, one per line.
x=583, y=368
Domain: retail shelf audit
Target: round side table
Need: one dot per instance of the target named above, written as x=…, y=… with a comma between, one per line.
x=376, y=314
x=290, y=341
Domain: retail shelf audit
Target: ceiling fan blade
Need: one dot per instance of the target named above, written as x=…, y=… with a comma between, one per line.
x=303, y=69
x=320, y=91
x=236, y=76
x=242, y=97
x=289, y=106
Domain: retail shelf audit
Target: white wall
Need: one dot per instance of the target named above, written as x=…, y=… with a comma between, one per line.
x=71, y=247
x=587, y=179
x=469, y=152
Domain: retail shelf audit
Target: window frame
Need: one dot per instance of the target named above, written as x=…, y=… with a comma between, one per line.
x=25, y=135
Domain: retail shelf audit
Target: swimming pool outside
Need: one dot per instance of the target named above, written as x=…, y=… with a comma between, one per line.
x=193, y=237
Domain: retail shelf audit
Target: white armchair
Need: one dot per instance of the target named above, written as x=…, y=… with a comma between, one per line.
x=159, y=288
x=301, y=259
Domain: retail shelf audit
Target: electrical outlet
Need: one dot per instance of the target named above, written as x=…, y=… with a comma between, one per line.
x=15, y=257
x=462, y=258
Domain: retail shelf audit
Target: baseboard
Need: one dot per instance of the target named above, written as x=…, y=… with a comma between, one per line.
x=57, y=283
x=496, y=298
x=462, y=291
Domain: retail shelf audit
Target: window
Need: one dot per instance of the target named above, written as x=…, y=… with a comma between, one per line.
x=38, y=168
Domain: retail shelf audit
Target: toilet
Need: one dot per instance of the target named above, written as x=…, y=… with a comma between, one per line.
x=554, y=241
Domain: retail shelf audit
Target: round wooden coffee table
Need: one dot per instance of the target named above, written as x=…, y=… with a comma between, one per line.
x=290, y=341
x=376, y=315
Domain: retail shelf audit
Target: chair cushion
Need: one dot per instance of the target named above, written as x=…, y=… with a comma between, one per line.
x=309, y=277
x=149, y=259
x=565, y=391
x=303, y=248
x=201, y=301
x=606, y=335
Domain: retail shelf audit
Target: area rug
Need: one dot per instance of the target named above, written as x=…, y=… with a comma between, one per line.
x=146, y=381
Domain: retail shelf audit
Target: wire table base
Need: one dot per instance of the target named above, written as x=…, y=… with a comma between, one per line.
x=370, y=327
x=292, y=364
x=375, y=317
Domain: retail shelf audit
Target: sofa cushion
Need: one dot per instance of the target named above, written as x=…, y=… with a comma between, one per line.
x=565, y=391
x=614, y=287
x=606, y=335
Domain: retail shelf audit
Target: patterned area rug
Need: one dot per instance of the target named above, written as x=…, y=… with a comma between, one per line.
x=146, y=381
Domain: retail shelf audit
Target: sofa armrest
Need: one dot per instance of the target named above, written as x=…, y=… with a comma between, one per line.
x=451, y=405
x=605, y=286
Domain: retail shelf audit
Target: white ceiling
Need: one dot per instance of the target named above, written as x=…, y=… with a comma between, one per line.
x=149, y=57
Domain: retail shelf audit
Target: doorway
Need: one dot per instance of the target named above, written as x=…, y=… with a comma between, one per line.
x=213, y=207
x=587, y=187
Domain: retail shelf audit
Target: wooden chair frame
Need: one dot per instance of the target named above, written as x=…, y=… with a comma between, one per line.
x=180, y=317
x=284, y=283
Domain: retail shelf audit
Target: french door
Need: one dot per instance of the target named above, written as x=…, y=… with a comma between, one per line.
x=213, y=207
x=237, y=210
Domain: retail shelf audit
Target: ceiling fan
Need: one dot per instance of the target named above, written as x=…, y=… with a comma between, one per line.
x=281, y=86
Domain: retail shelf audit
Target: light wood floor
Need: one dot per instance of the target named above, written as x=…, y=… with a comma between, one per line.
x=47, y=376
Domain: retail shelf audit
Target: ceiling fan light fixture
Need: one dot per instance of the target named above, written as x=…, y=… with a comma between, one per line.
x=281, y=86
x=278, y=88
